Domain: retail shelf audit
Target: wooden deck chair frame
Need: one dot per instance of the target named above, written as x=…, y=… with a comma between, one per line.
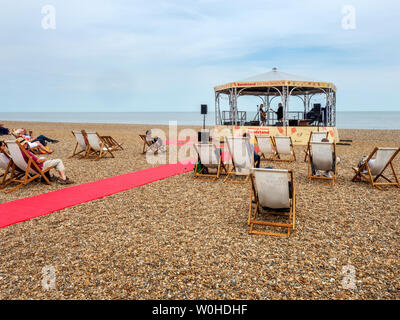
x=278, y=155
x=263, y=157
x=34, y=150
x=5, y=179
x=92, y=152
x=309, y=167
x=221, y=166
x=112, y=143
x=147, y=145
x=31, y=173
x=77, y=145
x=231, y=171
x=255, y=209
x=310, y=140
x=369, y=177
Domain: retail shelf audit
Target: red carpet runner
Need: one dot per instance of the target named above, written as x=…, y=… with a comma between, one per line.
x=28, y=208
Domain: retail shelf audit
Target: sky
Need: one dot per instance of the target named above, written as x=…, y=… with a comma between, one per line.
x=120, y=55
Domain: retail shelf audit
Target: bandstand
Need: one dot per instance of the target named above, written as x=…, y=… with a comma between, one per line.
x=283, y=87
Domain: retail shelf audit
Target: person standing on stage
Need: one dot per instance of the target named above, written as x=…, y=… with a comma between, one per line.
x=262, y=115
x=279, y=112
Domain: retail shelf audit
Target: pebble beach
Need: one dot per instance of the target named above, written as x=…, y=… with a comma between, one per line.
x=185, y=238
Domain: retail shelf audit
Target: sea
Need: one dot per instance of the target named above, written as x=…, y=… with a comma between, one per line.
x=344, y=120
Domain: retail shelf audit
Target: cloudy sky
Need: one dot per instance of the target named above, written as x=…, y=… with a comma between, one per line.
x=120, y=55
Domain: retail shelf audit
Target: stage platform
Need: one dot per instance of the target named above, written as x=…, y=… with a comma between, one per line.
x=299, y=135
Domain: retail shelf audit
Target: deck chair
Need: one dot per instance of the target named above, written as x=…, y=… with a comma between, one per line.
x=34, y=150
x=30, y=169
x=112, y=143
x=23, y=142
x=315, y=136
x=267, y=148
x=97, y=147
x=383, y=158
x=242, y=158
x=148, y=145
x=210, y=158
x=322, y=157
x=5, y=165
x=272, y=191
x=81, y=146
x=284, y=147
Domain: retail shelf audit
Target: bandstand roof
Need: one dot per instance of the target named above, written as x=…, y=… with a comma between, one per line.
x=268, y=83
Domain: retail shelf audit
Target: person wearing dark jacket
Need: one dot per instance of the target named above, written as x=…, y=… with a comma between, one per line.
x=3, y=130
x=42, y=139
x=279, y=112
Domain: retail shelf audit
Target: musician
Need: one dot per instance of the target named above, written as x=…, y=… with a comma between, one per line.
x=279, y=112
x=262, y=115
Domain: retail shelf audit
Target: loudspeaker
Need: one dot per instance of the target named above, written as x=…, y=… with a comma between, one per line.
x=203, y=109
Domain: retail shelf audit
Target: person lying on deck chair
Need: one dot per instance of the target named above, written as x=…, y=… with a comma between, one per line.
x=335, y=163
x=157, y=142
x=23, y=141
x=44, y=163
x=42, y=139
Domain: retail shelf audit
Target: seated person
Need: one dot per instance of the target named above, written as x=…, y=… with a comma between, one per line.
x=25, y=142
x=257, y=158
x=371, y=164
x=42, y=139
x=156, y=141
x=44, y=163
x=3, y=130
